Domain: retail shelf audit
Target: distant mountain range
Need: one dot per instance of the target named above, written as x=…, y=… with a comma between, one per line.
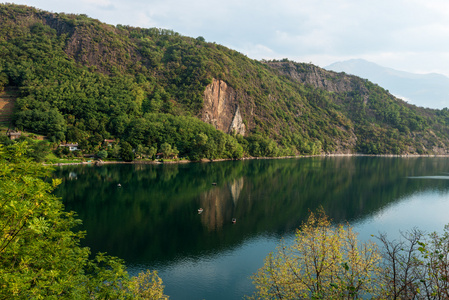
x=426, y=90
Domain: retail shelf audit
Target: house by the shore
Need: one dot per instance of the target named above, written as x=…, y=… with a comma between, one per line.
x=71, y=146
x=13, y=135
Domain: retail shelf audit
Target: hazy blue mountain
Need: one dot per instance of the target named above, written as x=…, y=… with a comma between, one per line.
x=426, y=90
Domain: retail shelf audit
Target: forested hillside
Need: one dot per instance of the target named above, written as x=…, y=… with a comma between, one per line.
x=80, y=80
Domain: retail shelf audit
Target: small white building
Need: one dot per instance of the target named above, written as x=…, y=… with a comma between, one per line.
x=72, y=147
x=14, y=134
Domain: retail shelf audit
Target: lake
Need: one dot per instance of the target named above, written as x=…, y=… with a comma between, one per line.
x=152, y=220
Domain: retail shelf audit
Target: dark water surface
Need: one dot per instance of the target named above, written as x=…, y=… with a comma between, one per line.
x=152, y=221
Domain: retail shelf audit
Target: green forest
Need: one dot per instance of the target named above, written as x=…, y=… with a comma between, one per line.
x=82, y=81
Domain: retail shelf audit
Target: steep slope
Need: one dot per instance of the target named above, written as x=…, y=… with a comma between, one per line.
x=82, y=80
x=426, y=90
x=383, y=123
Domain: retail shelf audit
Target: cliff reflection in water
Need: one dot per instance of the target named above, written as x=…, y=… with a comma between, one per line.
x=220, y=204
x=153, y=217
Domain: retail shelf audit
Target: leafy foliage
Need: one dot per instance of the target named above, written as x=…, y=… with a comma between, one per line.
x=324, y=262
x=328, y=262
x=40, y=255
x=126, y=152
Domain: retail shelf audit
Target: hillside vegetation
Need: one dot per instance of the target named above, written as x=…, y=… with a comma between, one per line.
x=80, y=80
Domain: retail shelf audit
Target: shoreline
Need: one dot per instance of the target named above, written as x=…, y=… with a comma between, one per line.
x=184, y=161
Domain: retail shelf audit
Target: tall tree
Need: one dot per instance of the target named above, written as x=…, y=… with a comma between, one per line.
x=324, y=262
x=126, y=152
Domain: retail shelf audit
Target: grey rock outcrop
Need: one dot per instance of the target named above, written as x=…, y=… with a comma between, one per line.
x=320, y=78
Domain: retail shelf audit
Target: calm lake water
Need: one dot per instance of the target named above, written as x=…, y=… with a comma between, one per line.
x=152, y=220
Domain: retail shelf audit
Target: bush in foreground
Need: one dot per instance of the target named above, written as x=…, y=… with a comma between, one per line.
x=324, y=262
x=328, y=262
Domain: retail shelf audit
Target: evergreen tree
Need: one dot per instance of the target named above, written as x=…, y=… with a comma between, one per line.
x=126, y=152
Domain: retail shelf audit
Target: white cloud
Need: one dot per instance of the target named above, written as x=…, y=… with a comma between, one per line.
x=257, y=51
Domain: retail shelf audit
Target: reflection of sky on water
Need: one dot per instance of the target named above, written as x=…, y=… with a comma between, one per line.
x=430, y=177
x=213, y=271
x=427, y=211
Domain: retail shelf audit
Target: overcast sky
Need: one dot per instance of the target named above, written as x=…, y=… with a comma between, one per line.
x=407, y=35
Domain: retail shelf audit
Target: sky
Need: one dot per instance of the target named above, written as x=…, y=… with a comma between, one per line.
x=407, y=35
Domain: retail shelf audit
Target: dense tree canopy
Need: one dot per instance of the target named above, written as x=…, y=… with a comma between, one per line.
x=80, y=80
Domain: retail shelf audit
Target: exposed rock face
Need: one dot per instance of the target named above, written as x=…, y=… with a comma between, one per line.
x=321, y=78
x=237, y=125
x=221, y=108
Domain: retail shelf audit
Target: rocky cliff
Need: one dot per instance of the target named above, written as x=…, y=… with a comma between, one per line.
x=320, y=78
x=221, y=108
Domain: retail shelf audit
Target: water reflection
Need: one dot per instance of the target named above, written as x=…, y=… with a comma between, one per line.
x=219, y=204
x=153, y=221
x=430, y=177
x=155, y=210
